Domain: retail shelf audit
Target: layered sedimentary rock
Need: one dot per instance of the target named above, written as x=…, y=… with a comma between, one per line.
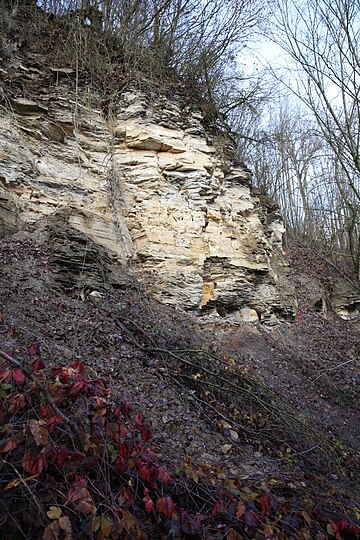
x=147, y=181
x=345, y=300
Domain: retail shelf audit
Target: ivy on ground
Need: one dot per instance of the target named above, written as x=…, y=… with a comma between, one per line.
x=109, y=484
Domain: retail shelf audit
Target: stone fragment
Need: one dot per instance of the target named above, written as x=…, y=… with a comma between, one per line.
x=26, y=106
x=248, y=315
x=63, y=72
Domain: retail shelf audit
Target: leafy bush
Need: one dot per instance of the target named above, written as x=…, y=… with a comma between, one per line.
x=76, y=465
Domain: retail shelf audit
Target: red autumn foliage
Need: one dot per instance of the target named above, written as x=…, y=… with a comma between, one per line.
x=265, y=502
x=33, y=349
x=37, y=365
x=35, y=463
x=60, y=455
x=116, y=463
x=165, y=505
x=53, y=422
x=19, y=377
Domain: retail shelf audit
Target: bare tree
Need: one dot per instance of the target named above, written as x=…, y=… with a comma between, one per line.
x=293, y=163
x=323, y=39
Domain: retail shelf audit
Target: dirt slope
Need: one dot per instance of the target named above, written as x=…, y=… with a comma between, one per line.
x=262, y=402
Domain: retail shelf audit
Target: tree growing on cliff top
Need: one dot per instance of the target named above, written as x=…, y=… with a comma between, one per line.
x=196, y=41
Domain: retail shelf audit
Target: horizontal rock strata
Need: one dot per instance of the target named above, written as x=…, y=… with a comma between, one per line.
x=148, y=183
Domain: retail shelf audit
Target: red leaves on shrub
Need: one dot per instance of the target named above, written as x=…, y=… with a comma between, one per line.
x=76, y=457
x=16, y=403
x=46, y=411
x=19, y=377
x=166, y=506
x=53, y=422
x=35, y=464
x=79, y=368
x=60, y=455
x=9, y=445
x=115, y=464
x=164, y=475
x=37, y=365
x=121, y=465
x=145, y=432
x=343, y=525
x=99, y=387
x=265, y=502
x=100, y=403
x=124, y=407
x=126, y=497
x=90, y=461
x=149, y=503
x=122, y=460
x=65, y=373
x=29, y=462
x=79, y=387
x=78, y=495
x=33, y=349
x=42, y=460
x=147, y=472
x=218, y=507
x=61, y=372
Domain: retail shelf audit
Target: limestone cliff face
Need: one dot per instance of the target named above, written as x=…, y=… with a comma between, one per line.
x=147, y=182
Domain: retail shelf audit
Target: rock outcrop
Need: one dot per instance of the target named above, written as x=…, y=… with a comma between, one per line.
x=345, y=301
x=146, y=181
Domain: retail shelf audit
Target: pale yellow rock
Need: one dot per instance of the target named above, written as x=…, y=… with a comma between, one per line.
x=248, y=315
x=154, y=138
x=159, y=196
x=208, y=293
x=225, y=449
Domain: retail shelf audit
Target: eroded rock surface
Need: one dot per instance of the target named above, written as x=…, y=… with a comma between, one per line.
x=147, y=182
x=345, y=300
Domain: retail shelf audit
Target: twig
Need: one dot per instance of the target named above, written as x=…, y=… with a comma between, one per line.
x=24, y=483
x=282, y=416
x=16, y=524
x=216, y=375
x=173, y=377
x=295, y=454
x=333, y=368
x=47, y=396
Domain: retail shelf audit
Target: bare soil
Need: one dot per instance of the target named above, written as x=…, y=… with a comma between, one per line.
x=310, y=367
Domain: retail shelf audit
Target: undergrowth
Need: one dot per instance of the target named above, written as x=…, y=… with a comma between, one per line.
x=77, y=464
